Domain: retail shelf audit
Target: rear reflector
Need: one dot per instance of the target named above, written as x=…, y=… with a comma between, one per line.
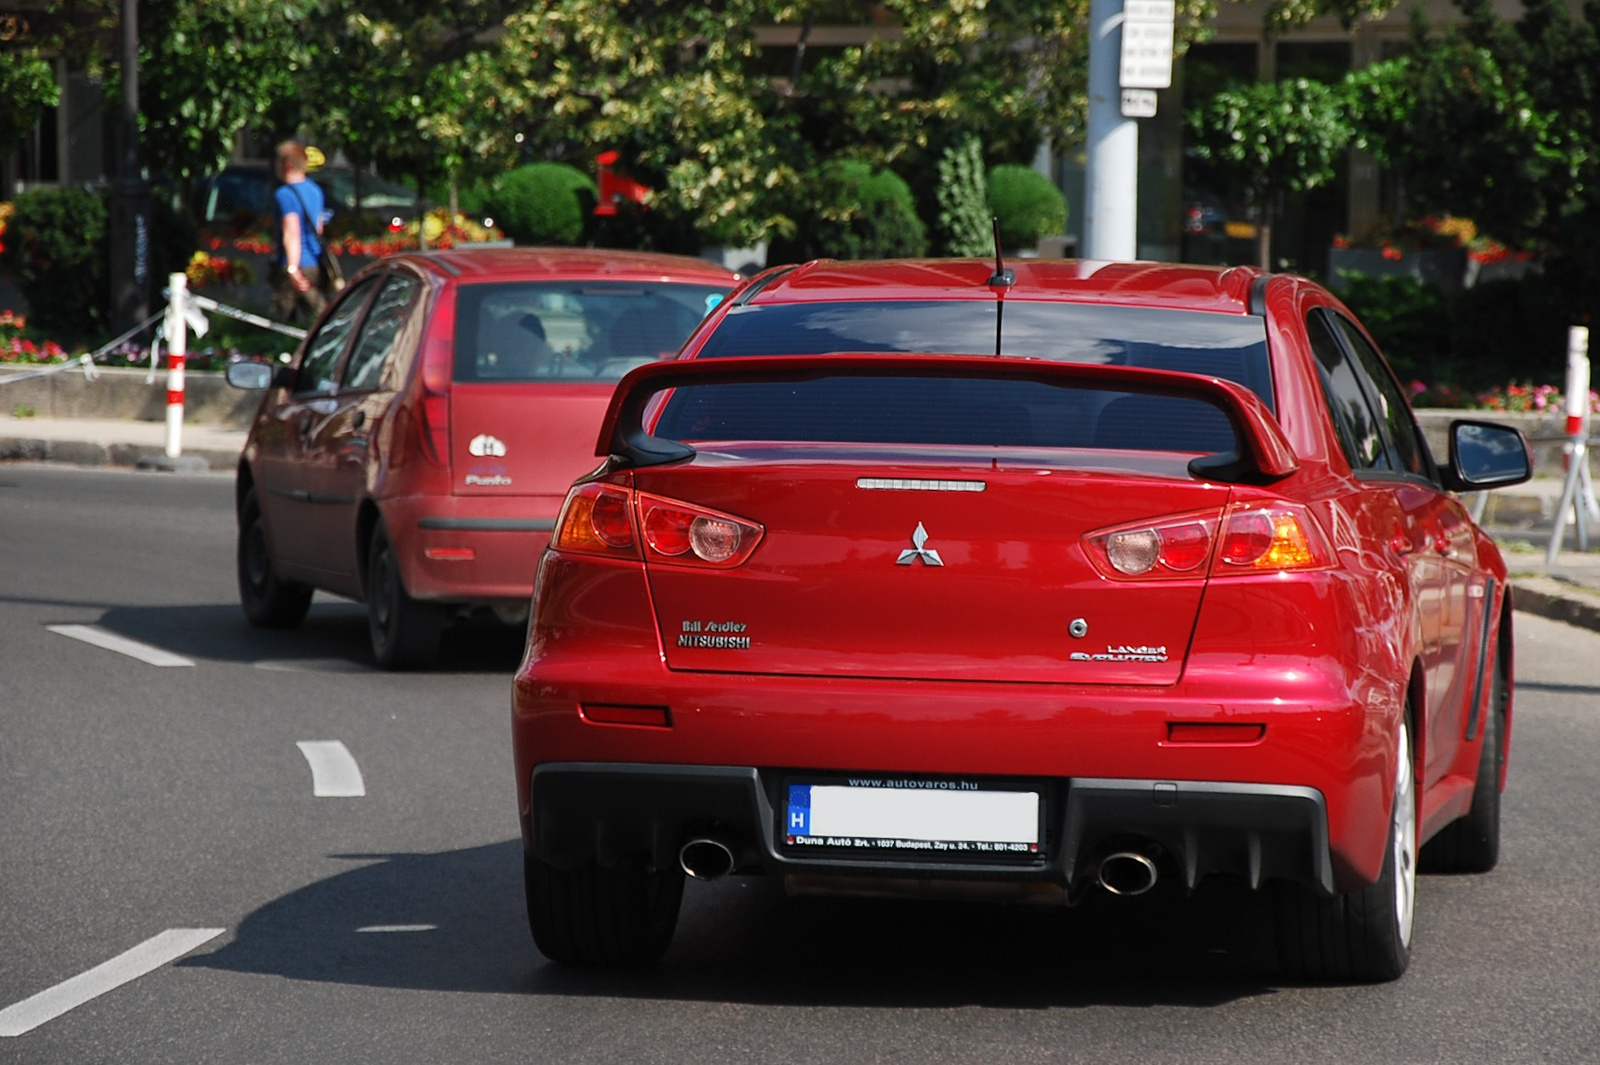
x=650, y=716
x=1212, y=732
x=450, y=554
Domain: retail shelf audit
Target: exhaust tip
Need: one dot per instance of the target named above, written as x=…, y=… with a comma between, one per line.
x=706, y=858
x=1127, y=873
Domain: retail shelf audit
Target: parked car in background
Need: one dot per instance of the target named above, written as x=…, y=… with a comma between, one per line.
x=240, y=195
x=414, y=452
x=937, y=580
x=1215, y=231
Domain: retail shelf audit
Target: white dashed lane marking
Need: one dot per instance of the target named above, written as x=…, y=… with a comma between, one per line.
x=334, y=773
x=154, y=656
x=399, y=928
x=148, y=956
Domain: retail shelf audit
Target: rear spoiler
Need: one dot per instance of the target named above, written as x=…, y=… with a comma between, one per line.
x=623, y=435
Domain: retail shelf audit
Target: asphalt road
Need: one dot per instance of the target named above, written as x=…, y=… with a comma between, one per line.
x=173, y=889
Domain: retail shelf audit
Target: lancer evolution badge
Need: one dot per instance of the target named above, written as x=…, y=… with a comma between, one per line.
x=917, y=550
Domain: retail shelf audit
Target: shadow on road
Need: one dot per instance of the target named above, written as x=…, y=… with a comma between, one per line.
x=333, y=637
x=456, y=923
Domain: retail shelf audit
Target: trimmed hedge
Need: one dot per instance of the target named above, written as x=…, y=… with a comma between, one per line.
x=1028, y=205
x=542, y=203
x=865, y=213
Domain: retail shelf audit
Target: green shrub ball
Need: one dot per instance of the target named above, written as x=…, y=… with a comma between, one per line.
x=1027, y=203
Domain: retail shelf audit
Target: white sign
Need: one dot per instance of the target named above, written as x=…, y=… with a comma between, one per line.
x=1138, y=103
x=1147, y=29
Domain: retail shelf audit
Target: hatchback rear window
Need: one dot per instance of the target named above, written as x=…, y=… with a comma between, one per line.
x=1230, y=346
x=572, y=331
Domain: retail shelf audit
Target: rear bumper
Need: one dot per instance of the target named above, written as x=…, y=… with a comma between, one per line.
x=503, y=535
x=582, y=813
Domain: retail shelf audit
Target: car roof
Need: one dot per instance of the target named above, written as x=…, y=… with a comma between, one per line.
x=1178, y=286
x=538, y=263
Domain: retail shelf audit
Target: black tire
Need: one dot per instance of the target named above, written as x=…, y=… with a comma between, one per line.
x=593, y=916
x=268, y=601
x=1363, y=936
x=1471, y=843
x=405, y=632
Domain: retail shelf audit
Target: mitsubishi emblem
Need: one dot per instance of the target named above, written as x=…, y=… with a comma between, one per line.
x=917, y=550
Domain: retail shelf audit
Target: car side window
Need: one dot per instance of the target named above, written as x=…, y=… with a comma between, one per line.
x=1348, y=407
x=376, y=339
x=319, y=369
x=1393, y=410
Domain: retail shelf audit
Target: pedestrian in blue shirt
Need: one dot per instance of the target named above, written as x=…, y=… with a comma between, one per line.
x=300, y=208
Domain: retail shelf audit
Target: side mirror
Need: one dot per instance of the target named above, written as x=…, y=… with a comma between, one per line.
x=256, y=376
x=1486, y=455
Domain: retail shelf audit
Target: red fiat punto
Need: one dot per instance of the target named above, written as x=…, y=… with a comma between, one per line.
x=416, y=450
x=936, y=578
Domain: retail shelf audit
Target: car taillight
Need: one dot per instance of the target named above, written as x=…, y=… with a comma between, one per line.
x=438, y=359
x=601, y=519
x=685, y=533
x=1175, y=546
x=1271, y=537
x=597, y=519
x=1245, y=538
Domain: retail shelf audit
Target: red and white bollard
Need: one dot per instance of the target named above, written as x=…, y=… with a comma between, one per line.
x=1575, y=452
x=177, y=334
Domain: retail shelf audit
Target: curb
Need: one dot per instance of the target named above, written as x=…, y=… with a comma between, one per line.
x=86, y=453
x=1556, y=599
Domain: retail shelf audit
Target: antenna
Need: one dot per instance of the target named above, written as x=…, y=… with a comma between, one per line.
x=1002, y=276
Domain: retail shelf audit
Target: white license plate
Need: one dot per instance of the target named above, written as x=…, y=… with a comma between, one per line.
x=938, y=816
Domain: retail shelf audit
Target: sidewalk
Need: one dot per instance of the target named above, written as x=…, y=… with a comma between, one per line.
x=1520, y=517
x=117, y=442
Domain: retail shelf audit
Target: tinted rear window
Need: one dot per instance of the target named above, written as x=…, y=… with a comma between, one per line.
x=571, y=331
x=941, y=410
x=1233, y=347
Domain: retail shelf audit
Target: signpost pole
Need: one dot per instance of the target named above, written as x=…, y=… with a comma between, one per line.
x=1130, y=56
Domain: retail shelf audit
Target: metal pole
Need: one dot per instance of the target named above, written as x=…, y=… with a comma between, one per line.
x=130, y=201
x=1111, y=194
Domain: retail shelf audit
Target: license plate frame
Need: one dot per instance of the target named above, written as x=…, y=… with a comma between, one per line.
x=927, y=819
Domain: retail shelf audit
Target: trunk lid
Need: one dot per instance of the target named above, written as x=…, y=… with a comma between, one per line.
x=523, y=439
x=950, y=571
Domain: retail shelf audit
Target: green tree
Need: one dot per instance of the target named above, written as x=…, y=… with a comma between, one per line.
x=28, y=86
x=1272, y=138
x=207, y=70
x=669, y=87
x=1500, y=123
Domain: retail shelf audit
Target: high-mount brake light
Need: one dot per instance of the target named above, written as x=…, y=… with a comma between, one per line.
x=600, y=519
x=1271, y=537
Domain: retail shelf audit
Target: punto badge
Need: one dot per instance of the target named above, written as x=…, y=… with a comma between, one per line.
x=919, y=540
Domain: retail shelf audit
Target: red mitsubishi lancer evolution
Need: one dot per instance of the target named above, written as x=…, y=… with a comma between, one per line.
x=934, y=577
